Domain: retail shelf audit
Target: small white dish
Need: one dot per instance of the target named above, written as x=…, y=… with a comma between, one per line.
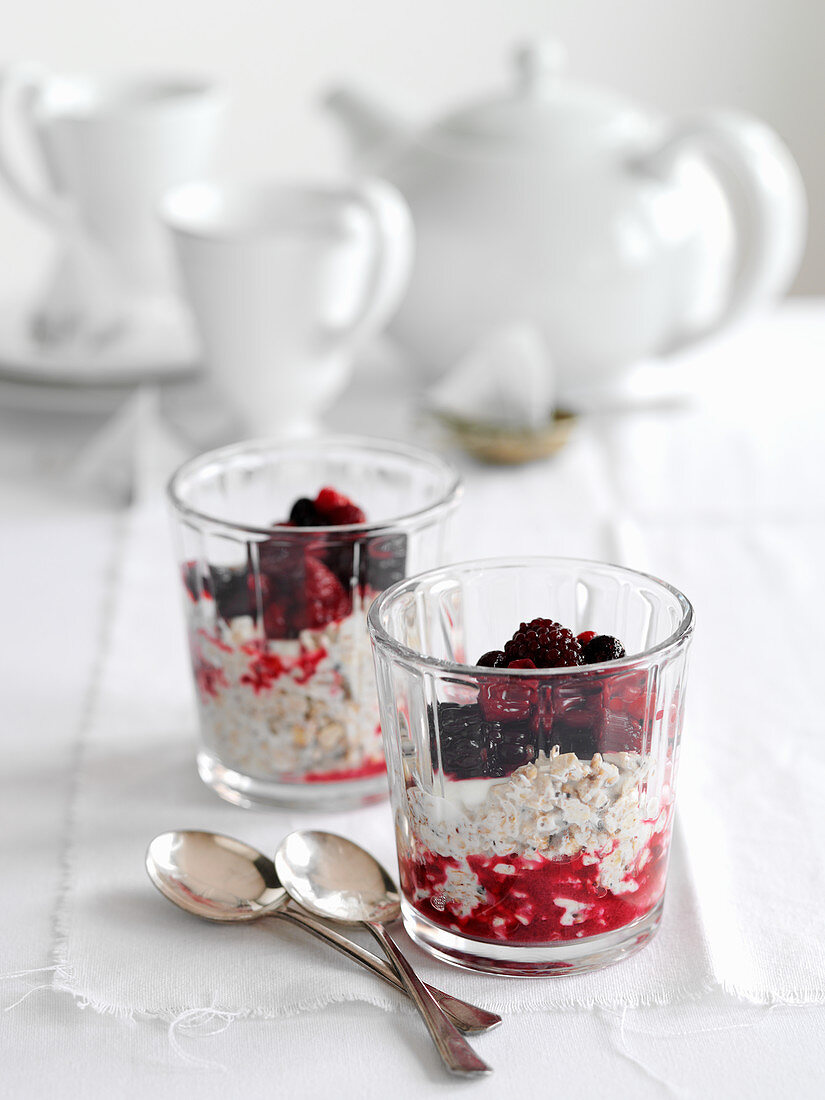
x=156, y=345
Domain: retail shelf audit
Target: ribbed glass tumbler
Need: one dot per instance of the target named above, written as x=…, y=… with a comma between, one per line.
x=276, y=609
x=533, y=806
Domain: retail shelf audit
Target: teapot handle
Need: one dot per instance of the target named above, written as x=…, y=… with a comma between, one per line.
x=390, y=264
x=20, y=86
x=766, y=195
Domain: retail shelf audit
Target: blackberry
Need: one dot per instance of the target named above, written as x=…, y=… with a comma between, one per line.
x=467, y=740
x=232, y=592
x=494, y=658
x=548, y=644
x=473, y=748
x=516, y=745
x=304, y=514
x=602, y=648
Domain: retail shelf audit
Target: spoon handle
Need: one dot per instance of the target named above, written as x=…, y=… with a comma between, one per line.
x=468, y=1017
x=456, y=1053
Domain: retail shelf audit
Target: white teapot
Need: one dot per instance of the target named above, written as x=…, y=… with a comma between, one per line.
x=619, y=235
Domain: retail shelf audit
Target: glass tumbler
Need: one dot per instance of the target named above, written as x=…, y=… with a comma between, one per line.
x=276, y=613
x=533, y=806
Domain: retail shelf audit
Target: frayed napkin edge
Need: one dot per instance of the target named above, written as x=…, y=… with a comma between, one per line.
x=684, y=996
x=114, y=573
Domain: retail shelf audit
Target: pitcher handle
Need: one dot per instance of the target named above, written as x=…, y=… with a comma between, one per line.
x=766, y=196
x=391, y=260
x=20, y=85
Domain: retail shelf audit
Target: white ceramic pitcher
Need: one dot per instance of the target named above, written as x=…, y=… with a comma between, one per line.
x=618, y=234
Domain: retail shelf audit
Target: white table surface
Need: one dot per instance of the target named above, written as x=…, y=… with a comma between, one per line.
x=753, y=454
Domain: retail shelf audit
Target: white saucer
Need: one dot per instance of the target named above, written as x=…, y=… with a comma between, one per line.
x=158, y=345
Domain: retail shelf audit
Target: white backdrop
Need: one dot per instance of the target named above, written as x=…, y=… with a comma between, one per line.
x=276, y=55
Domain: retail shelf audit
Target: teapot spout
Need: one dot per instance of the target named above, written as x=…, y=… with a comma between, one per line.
x=372, y=129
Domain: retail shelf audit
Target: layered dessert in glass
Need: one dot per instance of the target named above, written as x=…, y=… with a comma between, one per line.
x=283, y=547
x=533, y=757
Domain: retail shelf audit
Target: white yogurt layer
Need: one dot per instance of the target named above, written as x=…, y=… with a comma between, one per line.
x=313, y=710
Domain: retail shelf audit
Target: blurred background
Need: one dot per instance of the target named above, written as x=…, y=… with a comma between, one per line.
x=424, y=56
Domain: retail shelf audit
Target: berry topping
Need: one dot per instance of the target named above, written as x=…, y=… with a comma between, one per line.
x=602, y=647
x=494, y=658
x=546, y=643
x=524, y=662
x=299, y=580
x=329, y=509
x=585, y=637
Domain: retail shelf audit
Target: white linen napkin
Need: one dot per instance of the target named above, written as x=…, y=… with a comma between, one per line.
x=744, y=913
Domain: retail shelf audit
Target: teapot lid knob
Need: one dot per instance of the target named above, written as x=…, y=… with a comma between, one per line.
x=540, y=64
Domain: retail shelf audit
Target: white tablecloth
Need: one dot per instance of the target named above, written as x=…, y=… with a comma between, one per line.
x=723, y=496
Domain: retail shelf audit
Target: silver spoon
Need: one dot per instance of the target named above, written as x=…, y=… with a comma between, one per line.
x=225, y=880
x=334, y=878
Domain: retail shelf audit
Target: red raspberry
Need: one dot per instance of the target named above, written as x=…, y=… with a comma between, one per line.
x=548, y=644
x=506, y=700
x=347, y=513
x=326, y=599
x=337, y=509
x=585, y=637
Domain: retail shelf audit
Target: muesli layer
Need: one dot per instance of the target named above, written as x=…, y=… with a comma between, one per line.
x=290, y=709
x=561, y=849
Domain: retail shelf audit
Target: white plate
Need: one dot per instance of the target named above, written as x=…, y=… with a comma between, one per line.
x=157, y=346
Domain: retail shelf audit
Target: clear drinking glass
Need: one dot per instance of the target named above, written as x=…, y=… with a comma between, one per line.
x=533, y=807
x=276, y=614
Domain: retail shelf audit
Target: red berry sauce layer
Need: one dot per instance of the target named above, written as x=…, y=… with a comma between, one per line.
x=536, y=900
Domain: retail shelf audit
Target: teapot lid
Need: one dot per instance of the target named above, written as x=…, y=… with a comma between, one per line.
x=545, y=111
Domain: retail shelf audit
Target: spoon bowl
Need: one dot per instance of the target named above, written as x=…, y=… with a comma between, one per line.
x=214, y=877
x=336, y=879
